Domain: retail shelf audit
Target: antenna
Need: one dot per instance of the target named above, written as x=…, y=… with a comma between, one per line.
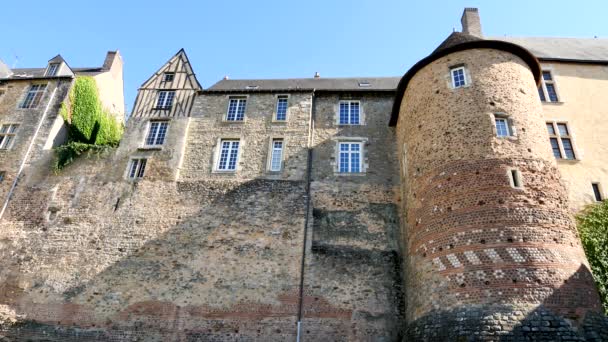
x=15, y=62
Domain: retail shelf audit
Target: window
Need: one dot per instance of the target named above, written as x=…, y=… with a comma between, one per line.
x=137, y=168
x=236, y=109
x=7, y=135
x=157, y=133
x=561, y=140
x=350, y=157
x=458, y=77
x=503, y=125
x=34, y=95
x=229, y=152
x=168, y=76
x=281, y=108
x=515, y=178
x=596, y=192
x=52, y=69
x=349, y=113
x=165, y=99
x=276, y=155
x=547, y=90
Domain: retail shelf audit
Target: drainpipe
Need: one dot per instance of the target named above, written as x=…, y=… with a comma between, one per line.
x=311, y=127
x=29, y=149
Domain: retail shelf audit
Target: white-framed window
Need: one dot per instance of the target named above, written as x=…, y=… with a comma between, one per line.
x=33, y=96
x=165, y=99
x=156, y=133
x=561, y=140
x=236, y=109
x=547, y=89
x=349, y=113
x=168, y=76
x=282, y=104
x=229, y=154
x=276, y=155
x=459, y=78
x=515, y=178
x=52, y=69
x=137, y=167
x=503, y=125
x=597, y=193
x=350, y=157
x=7, y=135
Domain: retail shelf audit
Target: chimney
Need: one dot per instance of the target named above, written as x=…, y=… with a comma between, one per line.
x=471, y=24
x=5, y=71
x=110, y=56
x=317, y=75
x=226, y=77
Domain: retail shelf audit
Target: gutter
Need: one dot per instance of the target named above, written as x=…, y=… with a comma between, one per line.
x=311, y=127
x=28, y=151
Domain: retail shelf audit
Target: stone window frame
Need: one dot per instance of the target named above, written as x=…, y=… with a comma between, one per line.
x=140, y=169
x=229, y=98
x=149, y=128
x=36, y=100
x=508, y=119
x=276, y=108
x=270, y=154
x=467, y=76
x=556, y=136
x=598, y=193
x=515, y=178
x=364, y=162
x=542, y=89
x=4, y=145
x=361, y=112
x=217, y=150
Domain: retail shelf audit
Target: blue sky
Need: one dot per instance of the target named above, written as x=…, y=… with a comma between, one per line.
x=271, y=39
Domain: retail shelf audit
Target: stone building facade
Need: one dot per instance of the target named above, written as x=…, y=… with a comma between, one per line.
x=427, y=207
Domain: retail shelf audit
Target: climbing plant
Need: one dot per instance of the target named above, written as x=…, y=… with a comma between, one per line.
x=90, y=126
x=593, y=228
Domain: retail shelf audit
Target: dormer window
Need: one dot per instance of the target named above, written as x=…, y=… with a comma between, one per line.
x=252, y=87
x=364, y=84
x=168, y=76
x=52, y=69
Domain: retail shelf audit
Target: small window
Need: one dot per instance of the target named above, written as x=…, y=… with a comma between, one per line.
x=168, y=76
x=547, y=90
x=364, y=84
x=52, y=69
x=137, y=167
x=229, y=152
x=236, y=109
x=349, y=113
x=515, y=178
x=281, y=108
x=350, y=157
x=156, y=133
x=503, y=126
x=33, y=96
x=276, y=155
x=251, y=87
x=7, y=135
x=458, y=77
x=165, y=99
x=561, y=140
x=596, y=192
x=2, y=175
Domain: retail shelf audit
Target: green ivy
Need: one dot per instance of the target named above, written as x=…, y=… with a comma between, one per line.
x=65, y=154
x=593, y=228
x=90, y=126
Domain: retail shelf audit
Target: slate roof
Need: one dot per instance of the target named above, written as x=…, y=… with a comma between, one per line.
x=19, y=73
x=564, y=49
x=298, y=84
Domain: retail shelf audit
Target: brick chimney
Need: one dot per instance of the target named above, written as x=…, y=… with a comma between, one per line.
x=471, y=23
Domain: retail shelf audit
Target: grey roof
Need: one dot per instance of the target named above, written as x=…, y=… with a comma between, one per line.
x=568, y=49
x=320, y=84
x=20, y=73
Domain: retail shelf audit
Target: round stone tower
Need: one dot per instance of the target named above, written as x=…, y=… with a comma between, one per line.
x=491, y=249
